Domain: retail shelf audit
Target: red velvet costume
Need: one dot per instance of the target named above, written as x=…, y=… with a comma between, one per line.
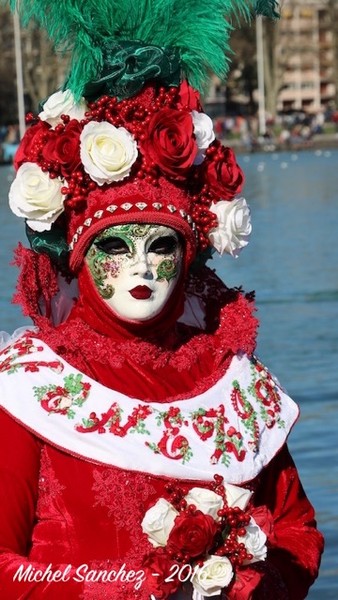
x=69, y=513
x=109, y=426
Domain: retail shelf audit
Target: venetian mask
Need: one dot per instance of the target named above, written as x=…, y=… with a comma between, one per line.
x=135, y=268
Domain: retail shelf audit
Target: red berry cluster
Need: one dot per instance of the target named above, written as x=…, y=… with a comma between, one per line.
x=57, y=151
x=204, y=219
x=233, y=523
x=231, y=526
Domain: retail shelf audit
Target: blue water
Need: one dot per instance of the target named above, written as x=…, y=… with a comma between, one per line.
x=292, y=263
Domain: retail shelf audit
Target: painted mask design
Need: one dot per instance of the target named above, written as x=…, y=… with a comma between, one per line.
x=135, y=268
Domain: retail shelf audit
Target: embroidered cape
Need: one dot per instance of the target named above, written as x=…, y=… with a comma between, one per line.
x=243, y=419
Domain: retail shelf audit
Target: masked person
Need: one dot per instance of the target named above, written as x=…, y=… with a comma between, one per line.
x=143, y=443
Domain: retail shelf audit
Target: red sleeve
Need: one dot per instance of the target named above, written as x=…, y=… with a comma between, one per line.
x=294, y=545
x=19, y=473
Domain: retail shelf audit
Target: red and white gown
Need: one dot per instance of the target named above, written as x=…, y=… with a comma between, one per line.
x=96, y=421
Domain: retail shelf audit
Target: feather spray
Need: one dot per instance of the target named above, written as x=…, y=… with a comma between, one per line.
x=198, y=30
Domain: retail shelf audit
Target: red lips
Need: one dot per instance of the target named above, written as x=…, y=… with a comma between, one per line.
x=141, y=292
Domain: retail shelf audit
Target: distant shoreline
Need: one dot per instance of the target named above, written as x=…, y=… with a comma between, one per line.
x=322, y=141
x=317, y=142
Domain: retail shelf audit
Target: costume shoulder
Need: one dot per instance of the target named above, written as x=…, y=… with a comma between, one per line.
x=234, y=428
x=226, y=314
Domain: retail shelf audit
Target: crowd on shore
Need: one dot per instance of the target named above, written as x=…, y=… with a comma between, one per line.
x=294, y=131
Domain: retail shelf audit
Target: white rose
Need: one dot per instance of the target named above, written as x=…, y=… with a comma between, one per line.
x=107, y=152
x=204, y=133
x=158, y=522
x=237, y=496
x=205, y=500
x=234, y=226
x=36, y=197
x=214, y=575
x=254, y=541
x=62, y=103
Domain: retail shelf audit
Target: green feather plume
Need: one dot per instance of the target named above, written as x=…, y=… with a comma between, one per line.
x=267, y=8
x=199, y=30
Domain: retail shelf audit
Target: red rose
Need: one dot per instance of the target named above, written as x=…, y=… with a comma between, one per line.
x=193, y=534
x=160, y=570
x=170, y=143
x=32, y=144
x=223, y=174
x=188, y=97
x=64, y=148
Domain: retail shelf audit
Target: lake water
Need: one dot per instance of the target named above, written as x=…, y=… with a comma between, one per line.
x=292, y=263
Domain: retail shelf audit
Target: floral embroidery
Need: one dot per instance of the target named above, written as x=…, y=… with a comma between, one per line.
x=126, y=496
x=60, y=399
x=176, y=448
x=205, y=423
x=23, y=347
x=50, y=489
x=111, y=421
x=54, y=524
x=247, y=414
x=251, y=403
x=171, y=444
x=265, y=390
x=209, y=422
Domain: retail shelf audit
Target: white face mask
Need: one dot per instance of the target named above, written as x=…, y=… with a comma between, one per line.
x=135, y=268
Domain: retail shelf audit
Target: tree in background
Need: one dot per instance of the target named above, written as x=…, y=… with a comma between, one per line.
x=273, y=66
x=42, y=70
x=8, y=102
x=242, y=80
x=243, y=73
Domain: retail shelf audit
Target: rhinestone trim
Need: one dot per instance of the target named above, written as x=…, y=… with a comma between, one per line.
x=127, y=206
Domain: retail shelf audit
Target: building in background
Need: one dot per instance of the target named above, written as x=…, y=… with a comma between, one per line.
x=300, y=63
x=306, y=54
x=300, y=54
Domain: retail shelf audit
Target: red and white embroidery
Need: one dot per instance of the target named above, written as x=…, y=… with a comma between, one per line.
x=62, y=399
x=111, y=421
x=266, y=390
x=228, y=440
x=196, y=437
x=21, y=348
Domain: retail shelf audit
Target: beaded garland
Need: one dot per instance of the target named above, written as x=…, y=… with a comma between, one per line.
x=195, y=185
x=233, y=520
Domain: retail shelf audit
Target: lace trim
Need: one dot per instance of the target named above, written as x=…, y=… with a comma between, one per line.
x=230, y=328
x=126, y=496
x=52, y=515
x=121, y=494
x=50, y=488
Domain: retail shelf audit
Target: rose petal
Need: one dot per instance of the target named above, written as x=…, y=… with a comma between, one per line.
x=234, y=226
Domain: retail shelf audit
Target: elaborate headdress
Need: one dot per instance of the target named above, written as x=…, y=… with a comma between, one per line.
x=126, y=140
